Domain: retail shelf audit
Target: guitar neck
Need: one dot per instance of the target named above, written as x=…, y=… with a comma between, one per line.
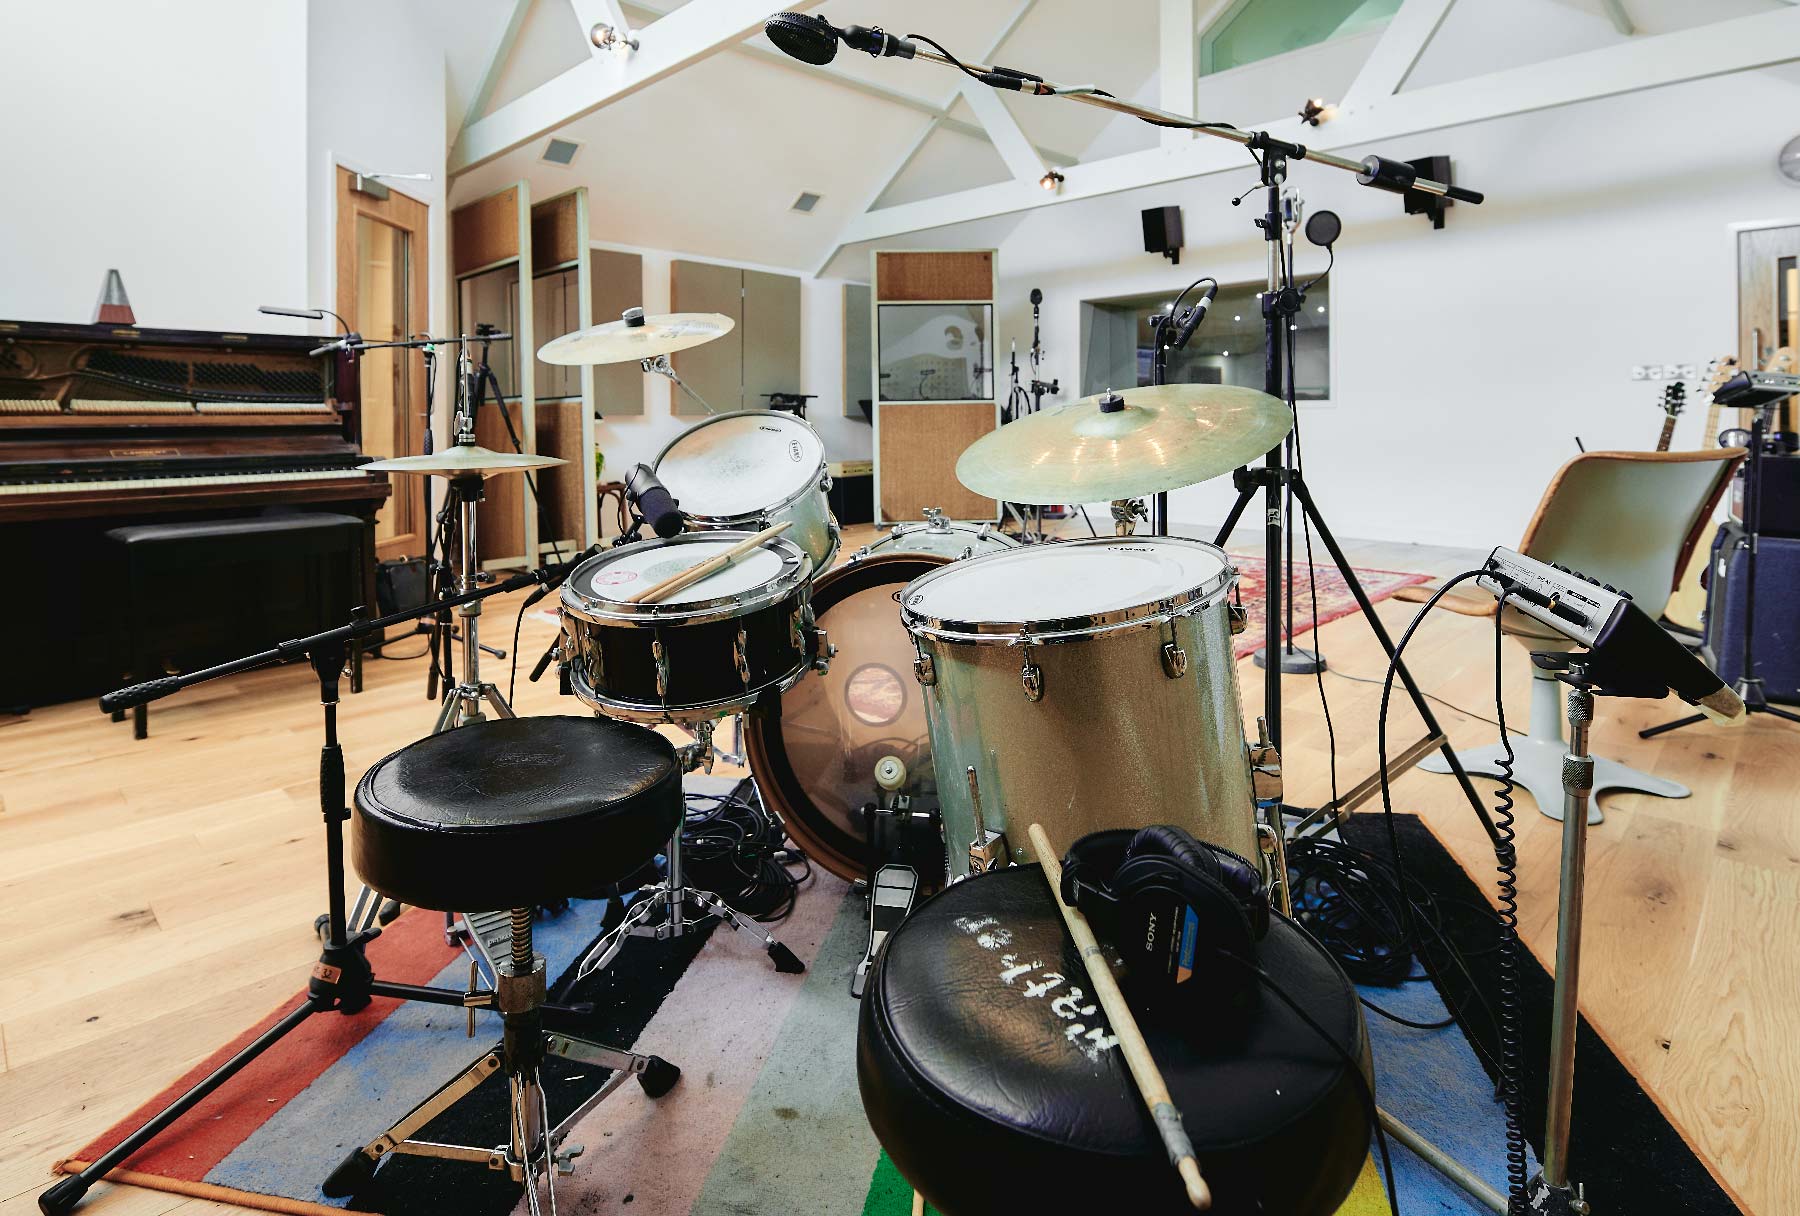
x=1668, y=433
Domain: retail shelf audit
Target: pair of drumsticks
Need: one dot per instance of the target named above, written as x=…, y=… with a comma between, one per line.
x=712, y=565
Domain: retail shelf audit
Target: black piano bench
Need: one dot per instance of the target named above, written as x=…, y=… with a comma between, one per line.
x=201, y=592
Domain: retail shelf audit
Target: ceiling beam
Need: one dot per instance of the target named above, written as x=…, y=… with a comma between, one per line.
x=484, y=92
x=589, y=13
x=1396, y=52
x=1003, y=130
x=693, y=32
x=1615, y=11
x=1740, y=44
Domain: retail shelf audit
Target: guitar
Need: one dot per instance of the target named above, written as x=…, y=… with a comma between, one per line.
x=1689, y=601
x=1674, y=400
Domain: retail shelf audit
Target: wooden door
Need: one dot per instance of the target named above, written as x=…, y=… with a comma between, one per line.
x=383, y=293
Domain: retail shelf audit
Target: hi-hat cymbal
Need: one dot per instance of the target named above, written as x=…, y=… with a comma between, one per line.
x=625, y=342
x=1164, y=437
x=463, y=460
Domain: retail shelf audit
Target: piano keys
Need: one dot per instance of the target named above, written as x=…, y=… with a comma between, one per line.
x=104, y=425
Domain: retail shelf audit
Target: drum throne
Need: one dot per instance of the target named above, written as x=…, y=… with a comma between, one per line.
x=513, y=814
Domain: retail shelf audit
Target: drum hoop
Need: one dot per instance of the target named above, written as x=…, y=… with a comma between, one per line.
x=1055, y=630
x=656, y=711
x=796, y=572
x=767, y=750
x=810, y=486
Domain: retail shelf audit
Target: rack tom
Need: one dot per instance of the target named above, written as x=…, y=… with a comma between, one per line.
x=1089, y=684
x=709, y=650
x=749, y=470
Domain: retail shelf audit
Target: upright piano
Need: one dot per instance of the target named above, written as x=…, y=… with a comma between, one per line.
x=104, y=425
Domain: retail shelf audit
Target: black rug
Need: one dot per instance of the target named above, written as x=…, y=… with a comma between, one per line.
x=1622, y=1148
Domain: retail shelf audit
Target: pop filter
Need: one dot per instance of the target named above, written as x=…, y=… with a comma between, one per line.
x=1323, y=228
x=806, y=36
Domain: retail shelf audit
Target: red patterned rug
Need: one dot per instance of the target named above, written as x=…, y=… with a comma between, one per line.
x=1334, y=596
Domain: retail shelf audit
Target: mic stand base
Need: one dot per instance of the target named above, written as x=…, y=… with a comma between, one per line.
x=1294, y=660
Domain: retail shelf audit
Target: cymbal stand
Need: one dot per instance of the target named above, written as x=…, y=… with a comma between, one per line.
x=463, y=700
x=660, y=366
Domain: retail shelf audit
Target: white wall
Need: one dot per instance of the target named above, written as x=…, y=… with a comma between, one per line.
x=166, y=140
x=1467, y=360
x=375, y=102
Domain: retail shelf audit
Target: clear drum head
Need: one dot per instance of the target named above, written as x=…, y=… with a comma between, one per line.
x=741, y=463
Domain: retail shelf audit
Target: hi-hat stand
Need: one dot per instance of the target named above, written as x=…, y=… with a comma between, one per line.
x=343, y=980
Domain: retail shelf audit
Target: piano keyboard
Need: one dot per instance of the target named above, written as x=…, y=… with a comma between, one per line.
x=88, y=405
x=264, y=407
x=159, y=483
x=93, y=405
x=28, y=405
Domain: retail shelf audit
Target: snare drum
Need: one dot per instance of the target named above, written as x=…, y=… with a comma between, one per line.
x=749, y=470
x=709, y=650
x=1090, y=684
x=939, y=536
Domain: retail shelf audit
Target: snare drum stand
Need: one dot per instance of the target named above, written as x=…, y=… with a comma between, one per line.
x=672, y=895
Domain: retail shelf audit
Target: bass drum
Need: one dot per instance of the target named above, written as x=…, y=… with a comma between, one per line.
x=939, y=535
x=814, y=759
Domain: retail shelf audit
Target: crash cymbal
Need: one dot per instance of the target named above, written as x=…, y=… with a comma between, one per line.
x=1143, y=441
x=636, y=337
x=463, y=460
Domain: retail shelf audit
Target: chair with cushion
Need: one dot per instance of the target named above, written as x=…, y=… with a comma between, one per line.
x=1630, y=519
x=514, y=814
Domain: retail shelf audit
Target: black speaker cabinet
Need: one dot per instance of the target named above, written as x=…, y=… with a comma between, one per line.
x=1162, y=232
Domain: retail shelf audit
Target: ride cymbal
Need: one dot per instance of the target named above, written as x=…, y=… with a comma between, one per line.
x=463, y=460
x=1127, y=444
x=636, y=337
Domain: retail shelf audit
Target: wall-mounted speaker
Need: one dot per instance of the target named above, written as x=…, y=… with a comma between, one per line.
x=1162, y=232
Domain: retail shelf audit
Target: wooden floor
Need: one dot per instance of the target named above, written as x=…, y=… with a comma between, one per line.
x=157, y=897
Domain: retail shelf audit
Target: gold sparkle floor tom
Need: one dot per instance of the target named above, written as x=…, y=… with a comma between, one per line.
x=1089, y=684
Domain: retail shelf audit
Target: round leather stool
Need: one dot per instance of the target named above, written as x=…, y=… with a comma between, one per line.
x=985, y=1073
x=515, y=812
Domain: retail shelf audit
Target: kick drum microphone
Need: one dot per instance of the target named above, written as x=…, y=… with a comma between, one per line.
x=812, y=39
x=654, y=503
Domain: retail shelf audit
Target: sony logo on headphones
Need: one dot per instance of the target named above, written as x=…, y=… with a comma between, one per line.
x=1150, y=932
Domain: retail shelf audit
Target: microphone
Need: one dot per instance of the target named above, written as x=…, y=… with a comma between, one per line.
x=550, y=580
x=653, y=501
x=810, y=38
x=1190, y=321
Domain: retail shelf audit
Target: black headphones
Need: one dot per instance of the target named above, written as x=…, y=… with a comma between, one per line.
x=1166, y=902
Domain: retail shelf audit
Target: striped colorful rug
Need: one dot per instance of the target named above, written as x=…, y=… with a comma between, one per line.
x=766, y=1117
x=1334, y=598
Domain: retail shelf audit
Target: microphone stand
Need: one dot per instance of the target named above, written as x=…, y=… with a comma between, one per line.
x=343, y=980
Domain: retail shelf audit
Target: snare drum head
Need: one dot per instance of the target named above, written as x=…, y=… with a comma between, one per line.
x=735, y=464
x=816, y=761
x=1039, y=584
x=610, y=579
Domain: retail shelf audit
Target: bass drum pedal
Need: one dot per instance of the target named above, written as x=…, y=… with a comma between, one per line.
x=903, y=844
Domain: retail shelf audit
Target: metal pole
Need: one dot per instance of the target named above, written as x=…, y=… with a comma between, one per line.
x=1578, y=785
x=1274, y=170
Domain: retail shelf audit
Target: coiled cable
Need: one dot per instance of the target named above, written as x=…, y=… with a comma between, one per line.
x=1506, y=862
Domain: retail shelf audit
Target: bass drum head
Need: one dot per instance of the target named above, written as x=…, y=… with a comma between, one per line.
x=814, y=760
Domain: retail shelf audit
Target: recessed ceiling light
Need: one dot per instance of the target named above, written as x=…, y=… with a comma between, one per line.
x=806, y=202
x=560, y=151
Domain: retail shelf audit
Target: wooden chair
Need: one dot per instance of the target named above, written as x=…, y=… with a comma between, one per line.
x=1630, y=519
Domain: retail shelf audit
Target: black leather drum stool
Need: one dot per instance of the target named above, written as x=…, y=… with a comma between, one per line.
x=511, y=814
x=989, y=1077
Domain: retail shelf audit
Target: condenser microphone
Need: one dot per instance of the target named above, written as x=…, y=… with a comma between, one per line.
x=810, y=38
x=655, y=505
x=1185, y=328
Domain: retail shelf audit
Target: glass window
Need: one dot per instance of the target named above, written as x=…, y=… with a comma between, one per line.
x=1117, y=342
x=1253, y=30
x=936, y=352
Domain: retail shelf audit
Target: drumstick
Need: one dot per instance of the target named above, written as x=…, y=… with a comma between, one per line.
x=1143, y=1067
x=712, y=565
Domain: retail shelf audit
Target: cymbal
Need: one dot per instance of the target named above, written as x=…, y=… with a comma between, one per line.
x=463, y=460
x=1166, y=436
x=623, y=342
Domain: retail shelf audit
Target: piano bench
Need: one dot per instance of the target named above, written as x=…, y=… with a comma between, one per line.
x=204, y=591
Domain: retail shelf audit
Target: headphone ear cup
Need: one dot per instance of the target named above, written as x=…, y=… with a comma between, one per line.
x=1177, y=844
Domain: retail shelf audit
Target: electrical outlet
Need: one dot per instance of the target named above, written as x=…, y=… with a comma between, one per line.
x=1656, y=371
x=1639, y=372
x=1671, y=372
x=1690, y=371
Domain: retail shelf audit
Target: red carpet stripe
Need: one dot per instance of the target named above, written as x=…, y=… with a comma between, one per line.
x=409, y=951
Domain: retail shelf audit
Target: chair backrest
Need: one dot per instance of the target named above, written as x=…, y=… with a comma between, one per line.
x=1630, y=518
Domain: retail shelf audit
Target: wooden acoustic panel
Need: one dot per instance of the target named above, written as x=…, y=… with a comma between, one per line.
x=918, y=450
x=501, y=537
x=715, y=370
x=555, y=236
x=934, y=275
x=771, y=336
x=485, y=231
x=560, y=488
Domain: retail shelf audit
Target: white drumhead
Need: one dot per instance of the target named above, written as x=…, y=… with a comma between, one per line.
x=617, y=576
x=1059, y=581
x=739, y=463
